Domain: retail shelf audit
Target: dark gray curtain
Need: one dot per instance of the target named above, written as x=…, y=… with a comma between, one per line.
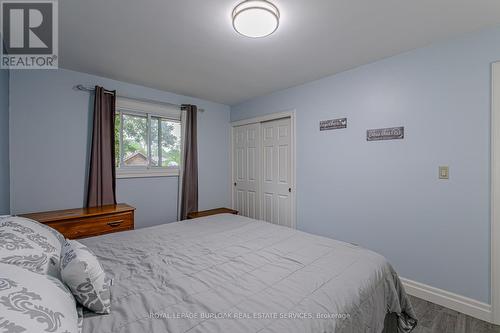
x=189, y=193
x=102, y=181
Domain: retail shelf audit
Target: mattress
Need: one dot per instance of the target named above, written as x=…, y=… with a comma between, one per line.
x=228, y=273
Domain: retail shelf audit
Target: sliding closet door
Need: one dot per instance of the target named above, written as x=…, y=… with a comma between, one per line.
x=246, y=170
x=276, y=172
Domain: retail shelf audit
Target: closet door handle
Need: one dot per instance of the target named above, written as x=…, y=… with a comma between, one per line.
x=234, y=183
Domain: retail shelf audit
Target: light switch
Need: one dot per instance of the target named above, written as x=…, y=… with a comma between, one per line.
x=444, y=172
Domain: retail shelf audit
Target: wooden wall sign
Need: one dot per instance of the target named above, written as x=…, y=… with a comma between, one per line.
x=325, y=125
x=391, y=133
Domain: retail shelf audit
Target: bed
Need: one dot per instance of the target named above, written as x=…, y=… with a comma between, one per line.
x=228, y=273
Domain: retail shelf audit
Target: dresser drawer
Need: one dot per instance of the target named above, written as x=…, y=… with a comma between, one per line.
x=94, y=226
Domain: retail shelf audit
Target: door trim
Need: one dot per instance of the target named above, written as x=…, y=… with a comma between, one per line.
x=268, y=117
x=264, y=118
x=495, y=192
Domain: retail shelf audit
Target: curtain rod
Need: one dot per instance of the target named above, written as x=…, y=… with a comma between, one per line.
x=81, y=87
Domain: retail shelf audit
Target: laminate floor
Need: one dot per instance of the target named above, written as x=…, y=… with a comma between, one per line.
x=434, y=318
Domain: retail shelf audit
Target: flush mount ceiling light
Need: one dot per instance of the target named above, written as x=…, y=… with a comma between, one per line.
x=256, y=18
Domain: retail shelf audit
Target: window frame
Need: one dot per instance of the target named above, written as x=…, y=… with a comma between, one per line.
x=132, y=107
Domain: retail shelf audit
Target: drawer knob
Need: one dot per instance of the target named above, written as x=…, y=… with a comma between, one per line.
x=115, y=224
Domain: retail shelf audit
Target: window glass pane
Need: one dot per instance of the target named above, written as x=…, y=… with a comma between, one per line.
x=155, y=153
x=117, y=138
x=132, y=130
x=135, y=151
x=170, y=143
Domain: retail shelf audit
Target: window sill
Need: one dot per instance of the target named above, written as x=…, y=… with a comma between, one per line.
x=121, y=174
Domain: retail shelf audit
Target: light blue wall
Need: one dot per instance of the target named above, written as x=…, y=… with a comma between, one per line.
x=386, y=196
x=50, y=135
x=4, y=142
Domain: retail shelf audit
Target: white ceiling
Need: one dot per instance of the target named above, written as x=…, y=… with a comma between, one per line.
x=189, y=46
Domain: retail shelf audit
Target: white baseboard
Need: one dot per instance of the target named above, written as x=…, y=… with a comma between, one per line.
x=449, y=300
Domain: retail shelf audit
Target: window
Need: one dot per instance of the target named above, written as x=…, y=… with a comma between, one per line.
x=147, y=139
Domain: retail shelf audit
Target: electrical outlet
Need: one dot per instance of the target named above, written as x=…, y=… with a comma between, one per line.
x=444, y=172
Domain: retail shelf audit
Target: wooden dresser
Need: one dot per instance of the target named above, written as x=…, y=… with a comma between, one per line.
x=87, y=222
x=209, y=212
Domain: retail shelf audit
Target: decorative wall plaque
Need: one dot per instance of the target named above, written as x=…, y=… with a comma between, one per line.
x=331, y=124
x=391, y=133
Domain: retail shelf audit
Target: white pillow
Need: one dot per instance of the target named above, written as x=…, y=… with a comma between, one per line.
x=31, y=302
x=30, y=244
x=83, y=274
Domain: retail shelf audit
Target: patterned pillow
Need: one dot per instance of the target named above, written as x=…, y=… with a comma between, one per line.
x=82, y=272
x=31, y=302
x=30, y=244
